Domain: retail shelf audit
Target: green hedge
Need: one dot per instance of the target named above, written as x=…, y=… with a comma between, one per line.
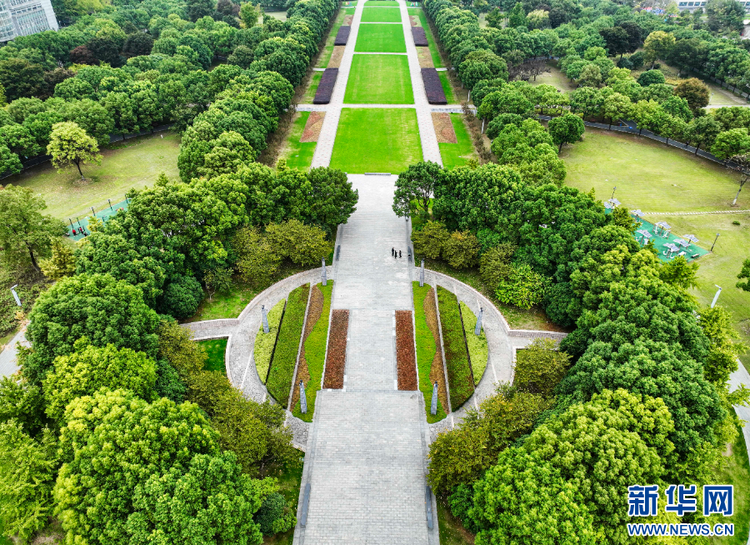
x=315, y=354
x=456, y=360
x=264, y=341
x=477, y=344
x=426, y=350
x=285, y=357
x=216, y=350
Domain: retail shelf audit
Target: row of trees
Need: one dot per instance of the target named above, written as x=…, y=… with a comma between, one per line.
x=645, y=383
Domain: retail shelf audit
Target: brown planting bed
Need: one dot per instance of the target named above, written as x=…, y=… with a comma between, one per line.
x=336, y=359
x=420, y=38
x=342, y=36
x=405, y=356
x=325, y=87
x=433, y=87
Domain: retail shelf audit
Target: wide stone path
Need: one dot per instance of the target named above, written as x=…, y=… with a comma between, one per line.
x=366, y=454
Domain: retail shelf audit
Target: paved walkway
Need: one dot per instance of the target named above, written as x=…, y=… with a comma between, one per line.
x=366, y=455
x=327, y=137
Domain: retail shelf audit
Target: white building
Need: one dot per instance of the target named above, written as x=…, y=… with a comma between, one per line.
x=24, y=17
x=693, y=5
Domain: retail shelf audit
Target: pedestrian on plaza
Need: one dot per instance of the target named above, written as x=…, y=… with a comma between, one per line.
x=399, y=254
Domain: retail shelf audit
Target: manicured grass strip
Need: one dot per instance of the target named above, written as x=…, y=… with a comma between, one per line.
x=407, y=371
x=458, y=154
x=264, y=342
x=299, y=154
x=216, y=350
x=285, y=356
x=433, y=86
x=429, y=359
x=436, y=60
x=336, y=359
x=314, y=349
x=381, y=15
x=380, y=39
x=447, y=88
x=325, y=89
x=420, y=38
x=373, y=3
x=478, y=349
x=460, y=384
x=376, y=140
x=379, y=79
x=313, y=88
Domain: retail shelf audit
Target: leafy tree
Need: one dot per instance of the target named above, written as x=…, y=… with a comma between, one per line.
x=523, y=499
x=687, y=53
x=98, y=307
x=22, y=108
x=724, y=345
x=542, y=367
x=40, y=126
x=227, y=154
x=495, y=264
x=703, y=130
x=200, y=8
x=302, y=244
x=651, y=77
x=218, y=281
x=69, y=144
x=83, y=55
x=90, y=368
x=496, y=126
x=482, y=65
x=20, y=78
x=430, y=240
x=61, y=264
x=168, y=382
x=27, y=473
x=327, y=199
x=658, y=44
x=617, y=40
x=182, y=297
x=590, y=76
x=566, y=129
x=150, y=458
x=10, y=163
x=461, y=249
x=257, y=259
x=249, y=13
x=414, y=189
x=616, y=106
x=731, y=143
x=92, y=117
x=517, y=16
x=19, y=140
x=523, y=287
x=26, y=234
x=138, y=44
x=242, y=55
x=106, y=49
x=507, y=101
x=679, y=273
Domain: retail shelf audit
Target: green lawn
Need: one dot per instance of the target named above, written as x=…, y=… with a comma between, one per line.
x=436, y=59
x=216, y=350
x=460, y=385
x=381, y=3
x=380, y=39
x=447, y=88
x=264, y=342
x=290, y=480
x=737, y=473
x=379, y=79
x=555, y=78
x=376, y=140
x=655, y=178
x=426, y=349
x=381, y=15
x=452, y=532
x=312, y=88
x=477, y=344
x=130, y=164
x=298, y=154
x=325, y=55
x=458, y=154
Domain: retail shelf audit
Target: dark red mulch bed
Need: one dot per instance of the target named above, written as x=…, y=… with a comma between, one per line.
x=336, y=359
x=405, y=357
x=342, y=36
x=433, y=87
x=420, y=38
x=325, y=87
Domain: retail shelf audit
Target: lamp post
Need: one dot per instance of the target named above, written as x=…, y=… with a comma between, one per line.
x=15, y=295
x=714, y=244
x=716, y=297
x=613, y=192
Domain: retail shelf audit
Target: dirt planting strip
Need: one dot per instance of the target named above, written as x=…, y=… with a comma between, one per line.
x=425, y=58
x=437, y=374
x=348, y=20
x=336, y=56
x=405, y=356
x=336, y=359
x=313, y=315
x=312, y=127
x=443, y=128
x=414, y=20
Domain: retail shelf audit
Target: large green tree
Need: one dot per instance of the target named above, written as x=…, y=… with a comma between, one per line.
x=414, y=189
x=566, y=129
x=70, y=145
x=25, y=233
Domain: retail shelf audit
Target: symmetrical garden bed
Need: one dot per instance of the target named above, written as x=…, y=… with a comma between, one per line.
x=407, y=370
x=265, y=342
x=313, y=353
x=477, y=344
x=460, y=384
x=342, y=36
x=420, y=38
x=429, y=355
x=325, y=87
x=433, y=86
x=336, y=359
x=287, y=346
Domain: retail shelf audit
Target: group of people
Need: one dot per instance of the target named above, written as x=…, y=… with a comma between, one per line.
x=395, y=253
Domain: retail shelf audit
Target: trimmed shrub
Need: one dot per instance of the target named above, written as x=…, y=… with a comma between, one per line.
x=523, y=287
x=495, y=265
x=264, y=341
x=477, y=344
x=285, y=356
x=429, y=241
x=325, y=87
x=182, y=297
x=461, y=249
x=420, y=37
x=429, y=355
x=300, y=243
x=433, y=86
x=460, y=385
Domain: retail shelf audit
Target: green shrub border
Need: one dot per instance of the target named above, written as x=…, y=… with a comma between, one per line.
x=478, y=349
x=287, y=346
x=426, y=350
x=263, y=349
x=460, y=383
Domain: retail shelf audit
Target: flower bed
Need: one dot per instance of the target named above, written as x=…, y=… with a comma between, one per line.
x=456, y=356
x=429, y=356
x=342, y=36
x=407, y=371
x=477, y=344
x=287, y=346
x=325, y=87
x=420, y=38
x=336, y=360
x=312, y=357
x=264, y=342
x=433, y=86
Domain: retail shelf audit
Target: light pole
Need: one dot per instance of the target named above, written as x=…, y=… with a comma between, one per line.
x=716, y=297
x=15, y=295
x=613, y=192
x=714, y=244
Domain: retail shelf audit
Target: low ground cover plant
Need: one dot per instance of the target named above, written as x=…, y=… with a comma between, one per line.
x=264, y=342
x=285, y=355
x=460, y=384
x=216, y=350
x=477, y=344
x=429, y=355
